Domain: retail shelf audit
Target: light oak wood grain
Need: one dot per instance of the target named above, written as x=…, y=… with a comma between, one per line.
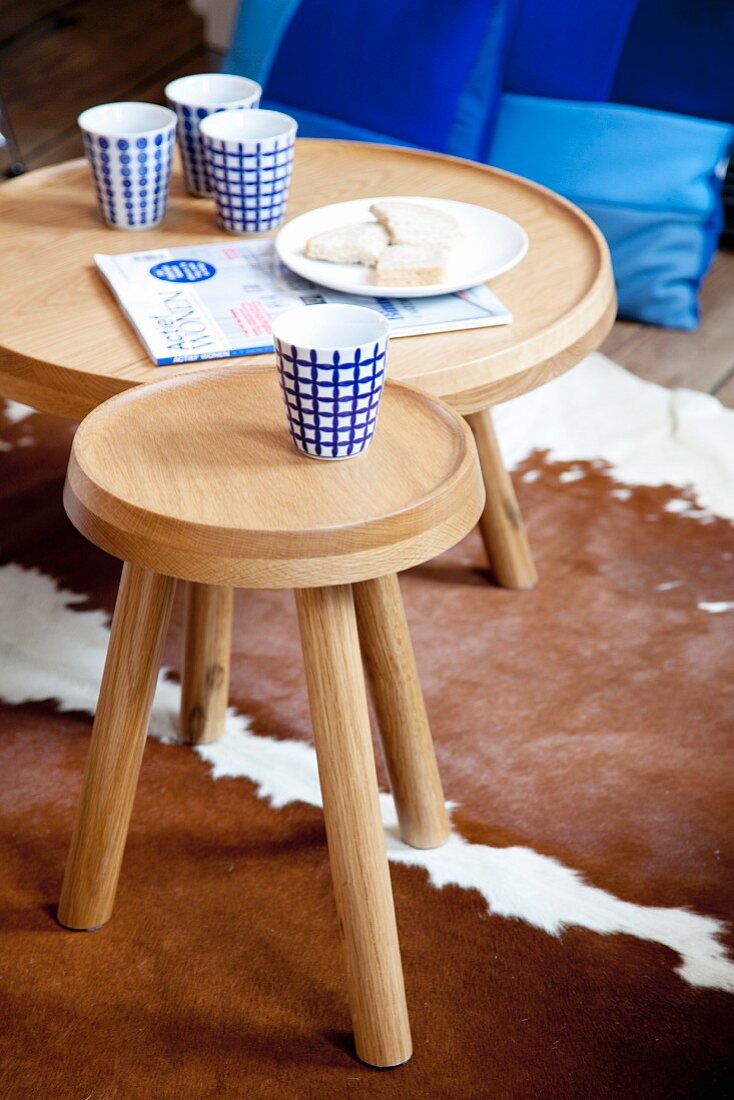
x=136, y=644
x=194, y=472
x=401, y=713
x=198, y=478
x=353, y=825
x=205, y=675
x=501, y=524
x=561, y=295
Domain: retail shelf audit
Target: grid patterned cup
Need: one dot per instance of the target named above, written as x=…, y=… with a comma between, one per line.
x=194, y=98
x=129, y=147
x=249, y=157
x=331, y=364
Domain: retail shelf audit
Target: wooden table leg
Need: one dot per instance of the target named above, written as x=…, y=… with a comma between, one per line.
x=396, y=690
x=354, y=831
x=207, y=650
x=139, y=629
x=510, y=558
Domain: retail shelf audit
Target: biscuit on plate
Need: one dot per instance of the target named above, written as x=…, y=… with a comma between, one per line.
x=410, y=265
x=414, y=223
x=361, y=243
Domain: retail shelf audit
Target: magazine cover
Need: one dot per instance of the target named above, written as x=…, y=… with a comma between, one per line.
x=219, y=300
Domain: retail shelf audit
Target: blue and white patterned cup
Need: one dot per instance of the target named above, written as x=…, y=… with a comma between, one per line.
x=331, y=364
x=194, y=98
x=249, y=157
x=130, y=147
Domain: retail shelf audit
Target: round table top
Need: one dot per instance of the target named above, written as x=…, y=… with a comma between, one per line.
x=198, y=477
x=65, y=345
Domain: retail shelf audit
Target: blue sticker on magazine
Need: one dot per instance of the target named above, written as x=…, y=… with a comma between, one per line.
x=183, y=271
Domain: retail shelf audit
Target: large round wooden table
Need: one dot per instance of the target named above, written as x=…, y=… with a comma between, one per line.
x=65, y=346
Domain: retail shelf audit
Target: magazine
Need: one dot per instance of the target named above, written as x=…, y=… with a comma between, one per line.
x=214, y=301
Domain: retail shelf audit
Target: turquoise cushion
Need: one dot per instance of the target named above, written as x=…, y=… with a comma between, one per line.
x=651, y=181
x=421, y=72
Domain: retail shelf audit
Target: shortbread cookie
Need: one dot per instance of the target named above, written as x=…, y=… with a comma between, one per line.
x=361, y=243
x=410, y=265
x=414, y=223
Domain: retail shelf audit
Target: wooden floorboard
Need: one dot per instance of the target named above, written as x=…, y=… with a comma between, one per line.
x=69, y=143
x=99, y=52
x=700, y=360
x=19, y=16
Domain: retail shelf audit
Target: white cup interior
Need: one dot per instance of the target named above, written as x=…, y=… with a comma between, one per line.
x=330, y=328
x=211, y=89
x=243, y=126
x=125, y=119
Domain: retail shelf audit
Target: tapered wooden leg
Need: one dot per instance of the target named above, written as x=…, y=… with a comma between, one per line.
x=353, y=824
x=138, y=632
x=510, y=558
x=207, y=648
x=401, y=713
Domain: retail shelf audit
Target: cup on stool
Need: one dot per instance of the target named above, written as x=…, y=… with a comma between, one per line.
x=129, y=147
x=194, y=98
x=249, y=156
x=331, y=364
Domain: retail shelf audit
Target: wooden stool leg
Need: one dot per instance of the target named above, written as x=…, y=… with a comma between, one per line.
x=354, y=831
x=205, y=681
x=401, y=713
x=134, y=655
x=510, y=558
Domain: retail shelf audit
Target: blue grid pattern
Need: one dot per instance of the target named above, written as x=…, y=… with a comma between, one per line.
x=131, y=176
x=332, y=407
x=190, y=142
x=250, y=181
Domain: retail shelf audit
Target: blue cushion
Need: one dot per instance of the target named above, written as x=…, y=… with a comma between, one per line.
x=679, y=56
x=659, y=261
x=650, y=180
x=420, y=71
x=567, y=49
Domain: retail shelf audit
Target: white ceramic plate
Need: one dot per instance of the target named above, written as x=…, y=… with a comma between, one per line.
x=490, y=244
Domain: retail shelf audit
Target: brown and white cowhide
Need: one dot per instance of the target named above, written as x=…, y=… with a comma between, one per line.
x=571, y=939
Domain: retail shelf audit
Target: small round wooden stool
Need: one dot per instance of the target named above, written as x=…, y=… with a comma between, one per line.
x=196, y=478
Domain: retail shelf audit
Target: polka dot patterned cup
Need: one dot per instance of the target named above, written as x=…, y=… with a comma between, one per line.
x=331, y=362
x=194, y=98
x=130, y=147
x=249, y=156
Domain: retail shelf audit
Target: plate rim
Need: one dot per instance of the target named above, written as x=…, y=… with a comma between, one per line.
x=370, y=290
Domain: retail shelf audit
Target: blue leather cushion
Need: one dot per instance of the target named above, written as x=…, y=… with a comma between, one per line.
x=679, y=56
x=421, y=71
x=650, y=180
x=567, y=49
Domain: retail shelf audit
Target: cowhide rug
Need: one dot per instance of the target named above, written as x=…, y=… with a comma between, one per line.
x=571, y=939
